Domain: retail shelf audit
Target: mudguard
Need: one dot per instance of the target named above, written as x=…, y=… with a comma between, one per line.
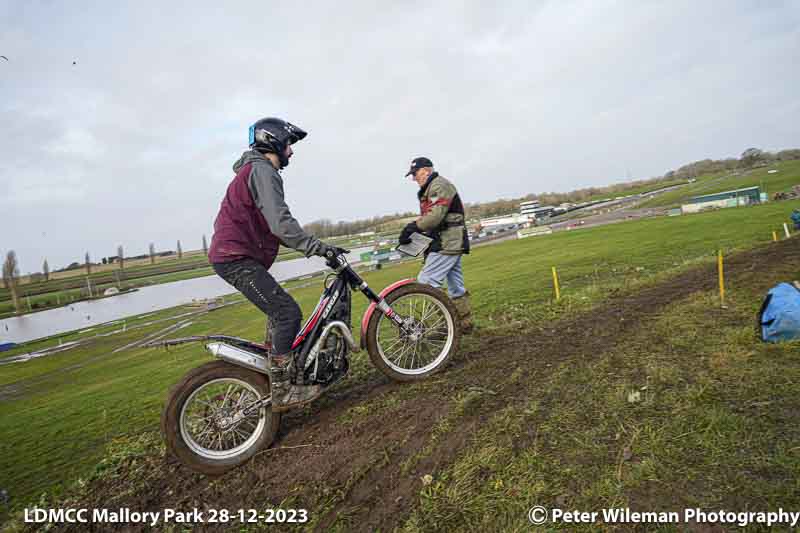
x=371, y=308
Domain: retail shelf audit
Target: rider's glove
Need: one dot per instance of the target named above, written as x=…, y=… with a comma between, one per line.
x=405, y=235
x=329, y=251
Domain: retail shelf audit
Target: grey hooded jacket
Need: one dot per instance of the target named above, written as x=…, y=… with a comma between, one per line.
x=254, y=218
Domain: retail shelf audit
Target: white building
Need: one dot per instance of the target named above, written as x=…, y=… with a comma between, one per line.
x=718, y=200
x=542, y=212
x=505, y=220
x=526, y=208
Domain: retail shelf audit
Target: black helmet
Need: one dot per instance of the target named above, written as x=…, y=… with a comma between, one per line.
x=274, y=135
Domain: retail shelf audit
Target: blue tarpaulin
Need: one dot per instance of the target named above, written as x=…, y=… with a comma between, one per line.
x=779, y=317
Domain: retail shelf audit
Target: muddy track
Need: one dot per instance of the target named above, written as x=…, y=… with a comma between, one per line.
x=365, y=469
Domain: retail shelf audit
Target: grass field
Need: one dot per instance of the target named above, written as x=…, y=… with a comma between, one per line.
x=59, y=414
x=642, y=189
x=672, y=418
x=788, y=175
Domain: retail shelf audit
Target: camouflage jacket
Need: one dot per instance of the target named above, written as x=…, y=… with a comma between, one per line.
x=442, y=216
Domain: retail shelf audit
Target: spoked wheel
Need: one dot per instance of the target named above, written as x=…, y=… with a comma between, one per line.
x=430, y=340
x=205, y=423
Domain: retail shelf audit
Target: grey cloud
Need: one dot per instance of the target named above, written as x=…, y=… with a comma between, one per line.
x=134, y=143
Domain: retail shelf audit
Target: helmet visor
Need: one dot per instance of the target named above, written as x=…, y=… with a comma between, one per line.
x=295, y=133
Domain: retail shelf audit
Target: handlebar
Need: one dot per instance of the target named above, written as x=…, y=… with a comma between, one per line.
x=334, y=261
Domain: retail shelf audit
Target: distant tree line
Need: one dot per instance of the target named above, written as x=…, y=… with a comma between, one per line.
x=750, y=158
x=116, y=258
x=11, y=276
x=325, y=228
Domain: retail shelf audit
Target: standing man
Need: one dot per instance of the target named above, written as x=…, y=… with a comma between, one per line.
x=253, y=221
x=441, y=218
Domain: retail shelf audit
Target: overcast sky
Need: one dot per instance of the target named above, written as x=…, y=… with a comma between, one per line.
x=134, y=143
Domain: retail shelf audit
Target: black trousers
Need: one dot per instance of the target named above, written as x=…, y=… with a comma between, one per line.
x=253, y=280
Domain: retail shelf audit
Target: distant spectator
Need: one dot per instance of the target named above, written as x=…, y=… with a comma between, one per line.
x=795, y=216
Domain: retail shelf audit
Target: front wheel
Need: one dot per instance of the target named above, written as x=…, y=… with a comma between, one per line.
x=204, y=422
x=429, y=341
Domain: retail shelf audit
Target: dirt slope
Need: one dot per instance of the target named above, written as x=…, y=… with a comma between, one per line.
x=358, y=454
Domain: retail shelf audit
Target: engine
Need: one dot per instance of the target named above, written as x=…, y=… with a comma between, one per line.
x=332, y=359
x=331, y=363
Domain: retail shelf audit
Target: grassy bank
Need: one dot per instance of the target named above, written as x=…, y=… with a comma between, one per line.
x=787, y=175
x=61, y=412
x=690, y=411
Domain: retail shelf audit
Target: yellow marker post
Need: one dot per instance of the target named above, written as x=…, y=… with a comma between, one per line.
x=721, y=279
x=775, y=236
x=555, y=284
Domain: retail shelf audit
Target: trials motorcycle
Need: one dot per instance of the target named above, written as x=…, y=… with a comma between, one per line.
x=218, y=416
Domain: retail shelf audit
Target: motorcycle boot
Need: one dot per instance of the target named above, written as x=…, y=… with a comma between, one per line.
x=464, y=311
x=285, y=394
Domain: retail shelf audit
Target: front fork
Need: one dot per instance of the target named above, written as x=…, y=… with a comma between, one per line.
x=386, y=309
x=381, y=305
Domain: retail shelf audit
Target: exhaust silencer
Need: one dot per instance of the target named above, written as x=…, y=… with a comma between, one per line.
x=238, y=356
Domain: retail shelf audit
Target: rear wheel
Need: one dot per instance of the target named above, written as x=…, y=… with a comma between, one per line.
x=431, y=338
x=204, y=424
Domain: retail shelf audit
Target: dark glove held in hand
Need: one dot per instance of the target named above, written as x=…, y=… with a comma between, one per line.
x=405, y=235
x=328, y=250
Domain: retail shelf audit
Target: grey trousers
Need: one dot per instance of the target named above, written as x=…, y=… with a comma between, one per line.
x=439, y=267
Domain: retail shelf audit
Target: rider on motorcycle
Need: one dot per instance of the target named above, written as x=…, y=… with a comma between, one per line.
x=252, y=222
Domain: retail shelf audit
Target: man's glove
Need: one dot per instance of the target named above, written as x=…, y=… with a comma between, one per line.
x=329, y=251
x=405, y=235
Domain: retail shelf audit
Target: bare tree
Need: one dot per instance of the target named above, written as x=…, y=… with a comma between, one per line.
x=205, y=246
x=46, y=270
x=180, y=251
x=10, y=277
x=121, y=255
x=152, y=254
x=88, y=264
